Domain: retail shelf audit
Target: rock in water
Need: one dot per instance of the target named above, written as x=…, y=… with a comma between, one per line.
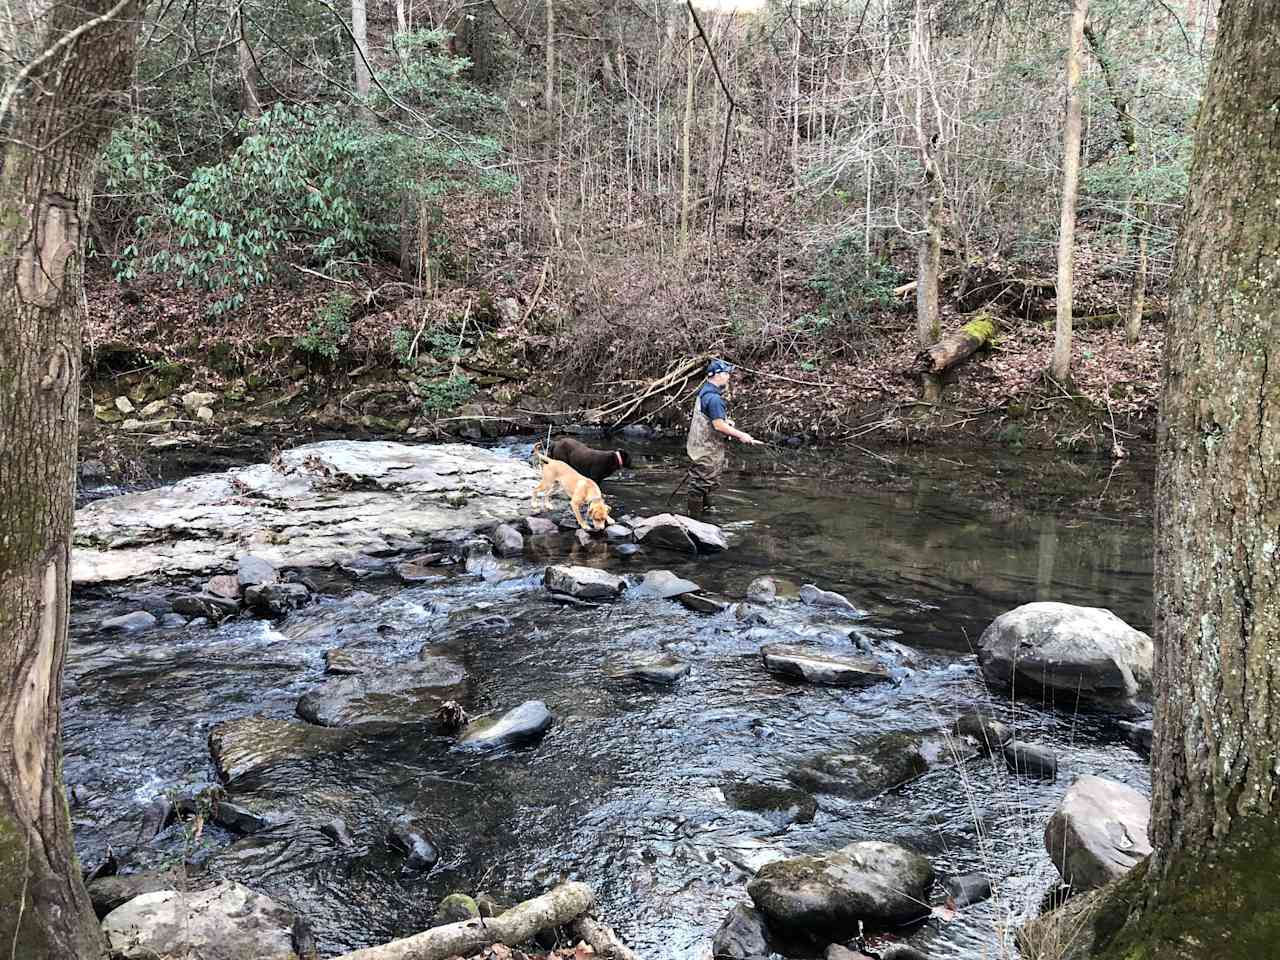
x=968, y=889
x=1098, y=833
x=454, y=908
x=414, y=842
x=251, y=571
x=134, y=622
x=583, y=583
x=336, y=830
x=817, y=597
x=990, y=735
x=617, y=533
x=664, y=584
x=742, y=936
x=1139, y=734
x=818, y=666
x=872, y=882
x=703, y=603
x=326, y=503
x=1030, y=760
x=763, y=591
x=524, y=724
x=657, y=669
x=781, y=806
x=252, y=745
x=224, y=585
x=881, y=763
x=676, y=532
x=276, y=599
x=225, y=922
x=1068, y=655
x=404, y=693
x=539, y=527
x=107, y=893
x=507, y=541
x=206, y=605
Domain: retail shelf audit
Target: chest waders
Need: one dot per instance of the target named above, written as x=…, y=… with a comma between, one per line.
x=706, y=447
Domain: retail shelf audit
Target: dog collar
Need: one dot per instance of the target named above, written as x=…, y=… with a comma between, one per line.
x=618, y=454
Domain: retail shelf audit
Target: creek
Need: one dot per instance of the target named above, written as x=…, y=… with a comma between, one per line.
x=628, y=790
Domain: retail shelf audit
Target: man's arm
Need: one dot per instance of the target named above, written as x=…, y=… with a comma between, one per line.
x=725, y=427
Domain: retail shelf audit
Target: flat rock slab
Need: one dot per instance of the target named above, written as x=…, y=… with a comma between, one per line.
x=583, y=583
x=816, y=665
x=872, y=882
x=107, y=893
x=674, y=531
x=1068, y=655
x=664, y=584
x=255, y=744
x=324, y=503
x=226, y=922
x=1098, y=833
x=525, y=724
x=393, y=694
x=660, y=669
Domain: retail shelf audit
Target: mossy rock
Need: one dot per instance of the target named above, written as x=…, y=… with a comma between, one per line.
x=454, y=908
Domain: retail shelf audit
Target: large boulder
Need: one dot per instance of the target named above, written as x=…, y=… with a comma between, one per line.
x=522, y=725
x=881, y=763
x=870, y=882
x=676, y=532
x=252, y=745
x=318, y=505
x=1068, y=655
x=225, y=922
x=400, y=693
x=1098, y=832
x=583, y=583
x=816, y=665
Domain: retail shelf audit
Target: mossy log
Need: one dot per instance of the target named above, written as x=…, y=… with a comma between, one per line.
x=555, y=908
x=958, y=346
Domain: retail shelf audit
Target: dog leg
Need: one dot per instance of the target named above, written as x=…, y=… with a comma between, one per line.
x=573, y=505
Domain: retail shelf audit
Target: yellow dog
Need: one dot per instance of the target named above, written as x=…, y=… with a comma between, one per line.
x=582, y=491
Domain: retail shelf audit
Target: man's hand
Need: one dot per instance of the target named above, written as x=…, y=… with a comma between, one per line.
x=751, y=441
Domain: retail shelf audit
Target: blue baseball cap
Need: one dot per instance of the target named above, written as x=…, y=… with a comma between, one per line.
x=719, y=366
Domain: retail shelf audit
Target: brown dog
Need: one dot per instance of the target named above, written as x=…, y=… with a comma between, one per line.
x=581, y=490
x=596, y=464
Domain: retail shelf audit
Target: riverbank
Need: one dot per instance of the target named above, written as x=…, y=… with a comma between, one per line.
x=161, y=374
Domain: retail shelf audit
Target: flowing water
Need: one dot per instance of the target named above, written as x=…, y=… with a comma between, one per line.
x=627, y=791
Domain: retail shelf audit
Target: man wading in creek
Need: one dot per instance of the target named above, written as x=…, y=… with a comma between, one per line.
x=707, y=445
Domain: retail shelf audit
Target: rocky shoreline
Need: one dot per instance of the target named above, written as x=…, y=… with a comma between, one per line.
x=256, y=542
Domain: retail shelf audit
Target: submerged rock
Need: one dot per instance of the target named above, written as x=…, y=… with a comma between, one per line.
x=320, y=505
x=872, y=882
x=400, y=693
x=990, y=735
x=881, y=763
x=1067, y=655
x=781, y=806
x=664, y=584
x=583, y=583
x=134, y=622
x=415, y=843
x=743, y=935
x=1031, y=760
x=524, y=724
x=656, y=669
x=1098, y=833
x=226, y=922
x=675, y=532
x=253, y=745
x=816, y=597
x=816, y=665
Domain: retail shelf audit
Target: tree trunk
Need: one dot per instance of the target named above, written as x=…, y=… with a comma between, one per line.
x=402, y=21
x=1061, y=367
x=958, y=346
x=360, y=51
x=1138, y=293
x=250, y=104
x=549, y=81
x=686, y=136
x=929, y=251
x=58, y=120
x=1209, y=887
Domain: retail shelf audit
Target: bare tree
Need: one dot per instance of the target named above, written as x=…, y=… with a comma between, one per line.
x=360, y=48
x=55, y=114
x=929, y=249
x=1061, y=366
x=250, y=104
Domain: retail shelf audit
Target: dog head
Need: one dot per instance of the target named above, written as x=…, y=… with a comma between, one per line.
x=598, y=511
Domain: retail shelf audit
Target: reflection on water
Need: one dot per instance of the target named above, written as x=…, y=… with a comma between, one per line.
x=626, y=792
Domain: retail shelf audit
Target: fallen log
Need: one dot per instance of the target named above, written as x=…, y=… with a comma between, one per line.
x=555, y=908
x=602, y=939
x=958, y=346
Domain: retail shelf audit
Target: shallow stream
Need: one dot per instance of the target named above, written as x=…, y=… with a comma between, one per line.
x=627, y=791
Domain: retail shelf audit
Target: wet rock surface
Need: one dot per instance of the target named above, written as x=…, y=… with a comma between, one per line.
x=881, y=763
x=817, y=665
x=1098, y=833
x=520, y=726
x=255, y=744
x=583, y=583
x=673, y=531
x=400, y=693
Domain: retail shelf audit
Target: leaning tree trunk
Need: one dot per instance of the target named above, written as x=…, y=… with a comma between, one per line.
x=250, y=103
x=1061, y=365
x=1209, y=888
x=78, y=58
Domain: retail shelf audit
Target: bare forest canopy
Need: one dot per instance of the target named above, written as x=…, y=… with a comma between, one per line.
x=646, y=180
